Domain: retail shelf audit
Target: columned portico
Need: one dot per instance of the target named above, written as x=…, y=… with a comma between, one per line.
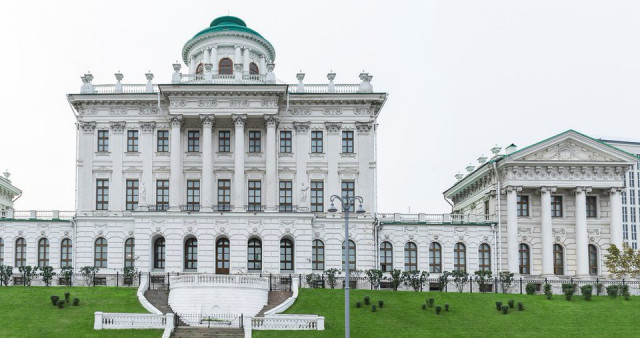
x=547, y=230
x=175, y=180
x=582, y=239
x=616, y=216
x=207, y=163
x=512, y=227
x=271, y=179
x=239, y=191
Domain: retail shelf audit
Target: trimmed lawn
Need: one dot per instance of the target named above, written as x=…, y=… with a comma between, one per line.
x=28, y=312
x=470, y=315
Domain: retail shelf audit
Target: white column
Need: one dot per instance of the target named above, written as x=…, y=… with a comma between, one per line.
x=547, y=230
x=116, y=140
x=271, y=177
x=238, y=56
x=146, y=184
x=175, y=180
x=582, y=237
x=333, y=150
x=301, y=154
x=214, y=59
x=366, y=165
x=239, y=191
x=512, y=229
x=86, y=149
x=245, y=60
x=206, y=55
x=263, y=65
x=206, y=188
x=192, y=65
x=616, y=216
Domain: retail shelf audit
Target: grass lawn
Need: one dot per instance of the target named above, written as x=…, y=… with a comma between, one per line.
x=28, y=312
x=470, y=315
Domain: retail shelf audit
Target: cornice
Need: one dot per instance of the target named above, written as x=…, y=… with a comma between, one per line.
x=237, y=34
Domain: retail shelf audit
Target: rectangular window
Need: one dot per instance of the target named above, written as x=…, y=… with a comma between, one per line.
x=224, y=195
x=193, y=195
x=632, y=179
x=487, y=210
x=634, y=233
x=347, y=141
x=132, y=194
x=317, y=146
x=556, y=206
x=255, y=196
x=633, y=214
x=625, y=232
x=592, y=206
x=103, y=140
x=317, y=196
x=285, y=141
x=162, y=195
x=625, y=216
x=224, y=141
x=624, y=197
x=254, y=141
x=286, y=196
x=523, y=206
x=193, y=141
x=632, y=197
x=132, y=141
x=102, y=194
x=348, y=190
x=163, y=141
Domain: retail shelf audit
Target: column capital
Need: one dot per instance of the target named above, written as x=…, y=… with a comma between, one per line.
x=147, y=127
x=208, y=120
x=615, y=190
x=333, y=127
x=301, y=127
x=512, y=188
x=87, y=127
x=583, y=189
x=271, y=120
x=547, y=189
x=239, y=119
x=176, y=120
x=117, y=127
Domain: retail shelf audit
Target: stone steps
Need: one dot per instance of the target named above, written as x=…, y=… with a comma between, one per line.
x=159, y=299
x=275, y=298
x=197, y=332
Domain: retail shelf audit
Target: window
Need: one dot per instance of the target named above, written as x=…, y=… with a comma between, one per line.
x=347, y=141
x=224, y=141
x=317, y=196
x=132, y=194
x=224, y=195
x=631, y=179
x=100, y=253
x=625, y=232
x=163, y=141
x=191, y=254
x=386, y=257
x=225, y=66
x=286, y=192
x=286, y=255
x=523, y=206
x=129, y=253
x=487, y=211
x=223, y=250
x=132, y=141
x=460, y=257
x=1, y=251
x=20, y=252
x=253, y=69
x=285, y=141
x=624, y=197
x=632, y=196
x=102, y=194
x=524, y=256
x=556, y=206
x=158, y=253
x=633, y=214
x=625, y=216
x=254, y=141
x=410, y=257
x=435, y=258
x=255, y=196
x=484, y=257
x=593, y=260
x=317, y=146
x=103, y=140
x=254, y=255
x=317, y=255
x=193, y=195
x=43, y=253
x=193, y=141
x=66, y=254
x=200, y=68
x=592, y=206
x=348, y=189
x=352, y=255
x=558, y=259
x=162, y=195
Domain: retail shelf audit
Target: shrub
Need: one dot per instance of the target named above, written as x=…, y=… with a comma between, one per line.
x=547, y=291
x=531, y=289
x=482, y=278
x=446, y=307
x=47, y=275
x=358, y=304
x=375, y=276
x=612, y=291
x=381, y=303
x=54, y=300
x=76, y=301
x=438, y=309
x=67, y=295
x=443, y=279
x=586, y=291
x=396, y=278
x=367, y=300
x=505, y=309
x=568, y=290
x=511, y=303
x=5, y=273
x=415, y=278
x=424, y=306
x=373, y=308
x=460, y=279
x=599, y=288
x=431, y=301
x=520, y=306
x=28, y=272
x=506, y=279
x=331, y=277
x=61, y=303
x=498, y=306
x=88, y=272
x=625, y=292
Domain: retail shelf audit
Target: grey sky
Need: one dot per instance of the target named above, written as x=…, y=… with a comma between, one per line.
x=462, y=76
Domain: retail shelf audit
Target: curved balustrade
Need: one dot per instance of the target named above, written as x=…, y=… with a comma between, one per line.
x=215, y=280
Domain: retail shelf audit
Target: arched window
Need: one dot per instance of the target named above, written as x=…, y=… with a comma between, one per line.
x=558, y=259
x=1, y=252
x=524, y=256
x=66, y=254
x=317, y=255
x=100, y=253
x=200, y=69
x=254, y=255
x=386, y=257
x=460, y=257
x=435, y=258
x=484, y=257
x=191, y=254
x=253, y=68
x=21, y=252
x=352, y=255
x=286, y=254
x=129, y=253
x=225, y=66
x=43, y=253
x=223, y=250
x=158, y=253
x=410, y=257
x=593, y=260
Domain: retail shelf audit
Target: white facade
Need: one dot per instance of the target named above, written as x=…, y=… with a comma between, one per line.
x=8, y=193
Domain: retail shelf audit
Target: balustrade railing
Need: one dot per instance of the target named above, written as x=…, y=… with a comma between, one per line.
x=324, y=88
x=288, y=322
x=36, y=214
x=130, y=320
x=436, y=218
x=228, y=320
x=210, y=279
x=125, y=88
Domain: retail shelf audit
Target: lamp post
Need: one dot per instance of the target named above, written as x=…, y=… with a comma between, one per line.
x=347, y=202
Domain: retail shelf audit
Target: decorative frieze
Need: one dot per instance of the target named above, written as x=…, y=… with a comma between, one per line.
x=87, y=127
x=301, y=127
x=269, y=103
x=147, y=110
x=207, y=103
x=332, y=111
x=117, y=127
x=239, y=103
x=117, y=111
x=300, y=111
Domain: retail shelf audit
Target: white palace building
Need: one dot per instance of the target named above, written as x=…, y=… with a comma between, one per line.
x=223, y=169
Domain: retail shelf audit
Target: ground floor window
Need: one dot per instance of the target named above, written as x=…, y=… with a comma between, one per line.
x=286, y=254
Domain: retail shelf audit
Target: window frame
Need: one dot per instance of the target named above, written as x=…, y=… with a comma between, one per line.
x=44, y=249
x=593, y=260
x=287, y=255
x=225, y=66
x=132, y=194
x=159, y=253
x=286, y=142
x=524, y=259
x=317, y=142
x=102, y=194
x=1, y=251
x=193, y=141
x=162, y=141
x=20, y=252
x=224, y=195
x=460, y=257
x=523, y=205
x=132, y=141
x=386, y=256
x=193, y=195
x=254, y=195
x=253, y=69
x=103, y=141
x=435, y=257
x=224, y=141
x=317, y=255
x=351, y=256
x=191, y=254
x=558, y=260
x=348, y=189
x=592, y=207
x=557, y=210
x=100, y=252
x=348, y=142
x=130, y=252
x=162, y=194
x=254, y=254
x=316, y=199
x=484, y=257
x=285, y=196
x=410, y=256
x=66, y=253
x=255, y=141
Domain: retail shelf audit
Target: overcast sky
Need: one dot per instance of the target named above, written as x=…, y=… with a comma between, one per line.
x=461, y=76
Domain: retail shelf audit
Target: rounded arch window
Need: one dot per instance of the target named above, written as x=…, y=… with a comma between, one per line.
x=65, y=253
x=386, y=257
x=100, y=253
x=351, y=254
x=200, y=69
x=254, y=255
x=484, y=257
x=410, y=257
x=558, y=259
x=525, y=259
x=159, y=253
x=593, y=260
x=20, y=252
x=43, y=253
x=253, y=68
x=286, y=254
x=225, y=66
x=435, y=257
x=191, y=254
x=129, y=253
x=460, y=257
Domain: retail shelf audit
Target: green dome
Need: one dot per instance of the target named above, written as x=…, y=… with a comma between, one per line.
x=227, y=23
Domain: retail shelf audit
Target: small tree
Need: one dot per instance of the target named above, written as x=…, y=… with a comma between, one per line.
x=375, y=276
x=130, y=274
x=67, y=272
x=506, y=279
x=396, y=279
x=621, y=263
x=443, y=279
x=6, y=271
x=47, y=275
x=87, y=273
x=331, y=277
x=460, y=278
x=415, y=278
x=28, y=272
x=482, y=277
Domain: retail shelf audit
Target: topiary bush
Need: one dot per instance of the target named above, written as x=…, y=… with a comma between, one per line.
x=586, y=291
x=67, y=295
x=367, y=300
x=54, y=300
x=625, y=292
x=505, y=309
x=424, y=306
x=374, y=308
x=612, y=291
x=599, y=288
x=498, y=306
x=76, y=301
x=381, y=303
x=511, y=303
x=446, y=307
x=438, y=309
x=431, y=301
x=531, y=289
x=358, y=304
x=61, y=303
x=520, y=306
x=568, y=290
x=547, y=291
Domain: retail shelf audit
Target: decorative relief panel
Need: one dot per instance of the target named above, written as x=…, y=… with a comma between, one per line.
x=568, y=151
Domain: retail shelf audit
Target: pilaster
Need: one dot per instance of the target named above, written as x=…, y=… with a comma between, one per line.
x=239, y=191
